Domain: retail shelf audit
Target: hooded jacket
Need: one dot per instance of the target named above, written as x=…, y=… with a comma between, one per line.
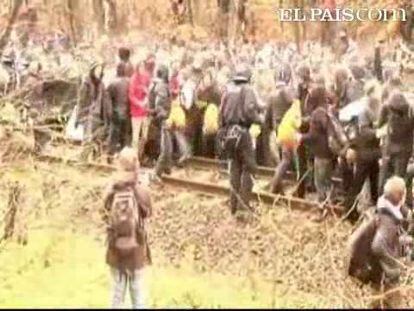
x=386, y=243
x=365, y=142
x=278, y=103
x=398, y=114
x=375, y=245
x=159, y=97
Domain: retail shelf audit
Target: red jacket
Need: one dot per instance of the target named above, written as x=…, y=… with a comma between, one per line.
x=138, y=92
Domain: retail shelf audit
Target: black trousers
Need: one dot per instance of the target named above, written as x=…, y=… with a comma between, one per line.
x=363, y=170
x=209, y=145
x=281, y=169
x=395, y=164
x=263, y=153
x=164, y=162
x=242, y=165
x=120, y=135
x=409, y=183
x=305, y=162
x=346, y=172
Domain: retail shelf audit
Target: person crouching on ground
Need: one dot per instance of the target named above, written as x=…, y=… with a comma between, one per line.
x=127, y=205
x=378, y=244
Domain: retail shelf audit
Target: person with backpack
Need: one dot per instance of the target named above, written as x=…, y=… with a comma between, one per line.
x=398, y=118
x=238, y=111
x=374, y=248
x=127, y=206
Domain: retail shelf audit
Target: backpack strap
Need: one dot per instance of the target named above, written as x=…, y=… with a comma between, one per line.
x=242, y=96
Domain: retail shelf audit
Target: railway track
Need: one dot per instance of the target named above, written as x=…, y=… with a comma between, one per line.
x=262, y=171
x=203, y=163
x=215, y=188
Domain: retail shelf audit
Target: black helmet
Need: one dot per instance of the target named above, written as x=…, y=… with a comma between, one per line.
x=304, y=71
x=242, y=73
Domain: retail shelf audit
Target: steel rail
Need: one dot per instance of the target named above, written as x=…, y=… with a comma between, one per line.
x=212, y=188
x=203, y=162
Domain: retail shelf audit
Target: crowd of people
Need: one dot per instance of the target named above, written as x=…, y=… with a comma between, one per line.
x=323, y=113
x=323, y=110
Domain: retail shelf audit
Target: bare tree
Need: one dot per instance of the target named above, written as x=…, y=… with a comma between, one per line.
x=296, y=28
x=12, y=19
x=190, y=12
x=70, y=9
x=111, y=18
x=98, y=8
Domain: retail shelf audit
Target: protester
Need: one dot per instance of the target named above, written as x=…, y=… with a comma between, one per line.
x=160, y=107
x=121, y=120
x=398, y=117
x=124, y=55
x=127, y=206
x=138, y=97
x=376, y=245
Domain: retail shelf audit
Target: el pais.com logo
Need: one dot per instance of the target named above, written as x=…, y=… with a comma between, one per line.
x=340, y=14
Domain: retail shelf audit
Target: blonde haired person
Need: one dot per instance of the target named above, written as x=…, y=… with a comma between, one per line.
x=376, y=246
x=389, y=238
x=128, y=160
x=127, y=205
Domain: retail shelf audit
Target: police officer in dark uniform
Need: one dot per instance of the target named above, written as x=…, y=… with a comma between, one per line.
x=239, y=110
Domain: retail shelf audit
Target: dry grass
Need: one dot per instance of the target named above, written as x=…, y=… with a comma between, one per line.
x=202, y=256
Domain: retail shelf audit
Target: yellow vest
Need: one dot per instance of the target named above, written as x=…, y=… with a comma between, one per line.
x=177, y=116
x=291, y=122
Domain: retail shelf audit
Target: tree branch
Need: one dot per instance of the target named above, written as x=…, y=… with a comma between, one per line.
x=12, y=19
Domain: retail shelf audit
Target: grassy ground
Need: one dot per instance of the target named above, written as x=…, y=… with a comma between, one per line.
x=63, y=265
x=59, y=268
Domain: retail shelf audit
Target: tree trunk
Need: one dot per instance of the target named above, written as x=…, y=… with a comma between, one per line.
x=196, y=11
x=111, y=19
x=280, y=21
x=296, y=28
x=190, y=12
x=71, y=13
x=98, y=8
x=303, y=24
x=12, y=19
